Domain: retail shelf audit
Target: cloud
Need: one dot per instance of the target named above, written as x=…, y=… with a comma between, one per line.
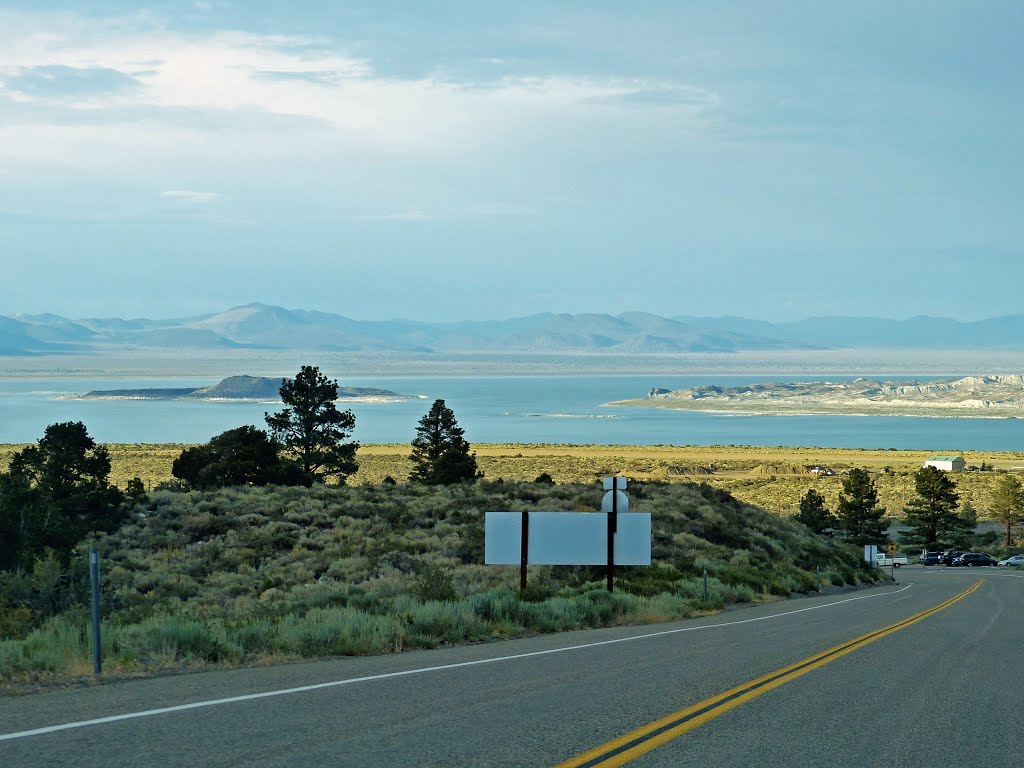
x=141, y=64
x=306, y=125
x=666, y=94
x=192, y=196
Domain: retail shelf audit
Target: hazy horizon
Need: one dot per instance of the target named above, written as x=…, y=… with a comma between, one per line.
x=407, y=318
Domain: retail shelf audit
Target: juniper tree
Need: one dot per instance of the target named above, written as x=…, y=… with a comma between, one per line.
x=814, y=514
x=54, y=493
x=241, y=456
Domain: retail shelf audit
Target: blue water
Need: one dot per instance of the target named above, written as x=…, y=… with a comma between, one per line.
x=536, y=409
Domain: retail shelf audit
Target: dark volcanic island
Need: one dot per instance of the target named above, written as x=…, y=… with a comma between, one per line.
x=258, y=388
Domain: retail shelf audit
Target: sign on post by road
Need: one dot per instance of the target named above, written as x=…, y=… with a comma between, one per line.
x=892, y=549
x=566, y=538
x=571, y=538
x=871, y=554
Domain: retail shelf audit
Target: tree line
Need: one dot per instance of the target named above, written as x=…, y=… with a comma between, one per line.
x=932, y=517
x=58, y=491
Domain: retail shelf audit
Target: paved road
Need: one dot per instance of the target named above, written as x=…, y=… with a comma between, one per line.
x=943, y=690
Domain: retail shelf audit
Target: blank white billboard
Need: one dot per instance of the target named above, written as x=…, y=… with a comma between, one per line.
x=567, y=538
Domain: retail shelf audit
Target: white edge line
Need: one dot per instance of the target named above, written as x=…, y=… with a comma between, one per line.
x=419, y=671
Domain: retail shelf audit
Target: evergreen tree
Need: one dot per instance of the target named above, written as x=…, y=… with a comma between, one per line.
x=312, y=429
x=814, y=514
x=1007, y=503
x=440, y=453
x=242, y=456
x=932, y=515
x=859, y=515
x=54, y=493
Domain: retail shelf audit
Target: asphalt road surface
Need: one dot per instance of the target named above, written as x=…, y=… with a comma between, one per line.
x=925, y=673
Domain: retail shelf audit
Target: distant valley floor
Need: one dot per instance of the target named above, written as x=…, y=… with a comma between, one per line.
x=141, y=363
x=771, y=477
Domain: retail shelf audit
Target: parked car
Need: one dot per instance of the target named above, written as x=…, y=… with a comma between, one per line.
x=1013, y=560
x=931, y=558
x=973, y=559
x=949, y=556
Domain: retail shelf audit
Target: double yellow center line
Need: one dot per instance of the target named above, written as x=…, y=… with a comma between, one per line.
x=646, y=738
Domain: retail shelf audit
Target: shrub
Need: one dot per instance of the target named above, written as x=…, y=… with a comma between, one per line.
x=339, y=632
x=433, y=582
x=166, y=639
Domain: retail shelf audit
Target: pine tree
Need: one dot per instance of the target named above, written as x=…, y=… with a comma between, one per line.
x=859, y=516
x=1007, y=504
x=440, y=453
x=312, y=429
x=814, y=514
x=932, y=515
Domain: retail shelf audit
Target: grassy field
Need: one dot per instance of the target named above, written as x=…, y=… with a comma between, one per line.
x=772, y=478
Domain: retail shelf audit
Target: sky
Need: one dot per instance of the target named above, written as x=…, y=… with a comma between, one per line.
x=466, y=160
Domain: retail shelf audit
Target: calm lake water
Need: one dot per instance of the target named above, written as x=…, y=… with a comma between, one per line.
x=541, y=409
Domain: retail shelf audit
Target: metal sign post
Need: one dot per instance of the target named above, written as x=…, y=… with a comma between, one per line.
x=524, y=550
x=97, y=644
x=610, y=503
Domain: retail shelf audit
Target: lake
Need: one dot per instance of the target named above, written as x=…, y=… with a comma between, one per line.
x=494, y=409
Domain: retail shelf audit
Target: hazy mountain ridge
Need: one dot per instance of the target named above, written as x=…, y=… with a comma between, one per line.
x=260, y=326
x=921, y=331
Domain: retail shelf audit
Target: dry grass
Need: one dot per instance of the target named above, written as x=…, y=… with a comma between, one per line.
x=734, y=466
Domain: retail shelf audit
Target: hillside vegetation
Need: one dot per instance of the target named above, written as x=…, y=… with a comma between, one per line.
x=247, y=575
x=770, y=477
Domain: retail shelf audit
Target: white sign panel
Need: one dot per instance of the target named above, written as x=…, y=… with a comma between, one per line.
x=567, y=538
x=623, y=502
x=870, y=553
x=618, y=482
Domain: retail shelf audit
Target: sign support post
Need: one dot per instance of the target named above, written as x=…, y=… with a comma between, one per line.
x=97, y=644
x=524, y=550
x=613, y=522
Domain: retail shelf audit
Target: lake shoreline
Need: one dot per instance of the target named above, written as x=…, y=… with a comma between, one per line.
x=777, y=410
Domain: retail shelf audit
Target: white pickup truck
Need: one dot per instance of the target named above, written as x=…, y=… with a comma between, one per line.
x=883, y=560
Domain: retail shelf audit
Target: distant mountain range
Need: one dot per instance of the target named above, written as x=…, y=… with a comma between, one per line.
x=259, y=326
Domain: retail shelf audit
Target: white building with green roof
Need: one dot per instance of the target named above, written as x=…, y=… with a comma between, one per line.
x=946, y=463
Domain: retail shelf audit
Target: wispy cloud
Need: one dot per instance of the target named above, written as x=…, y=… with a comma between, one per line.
x=192, y=196
x=238, y=73
x=263, y=116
